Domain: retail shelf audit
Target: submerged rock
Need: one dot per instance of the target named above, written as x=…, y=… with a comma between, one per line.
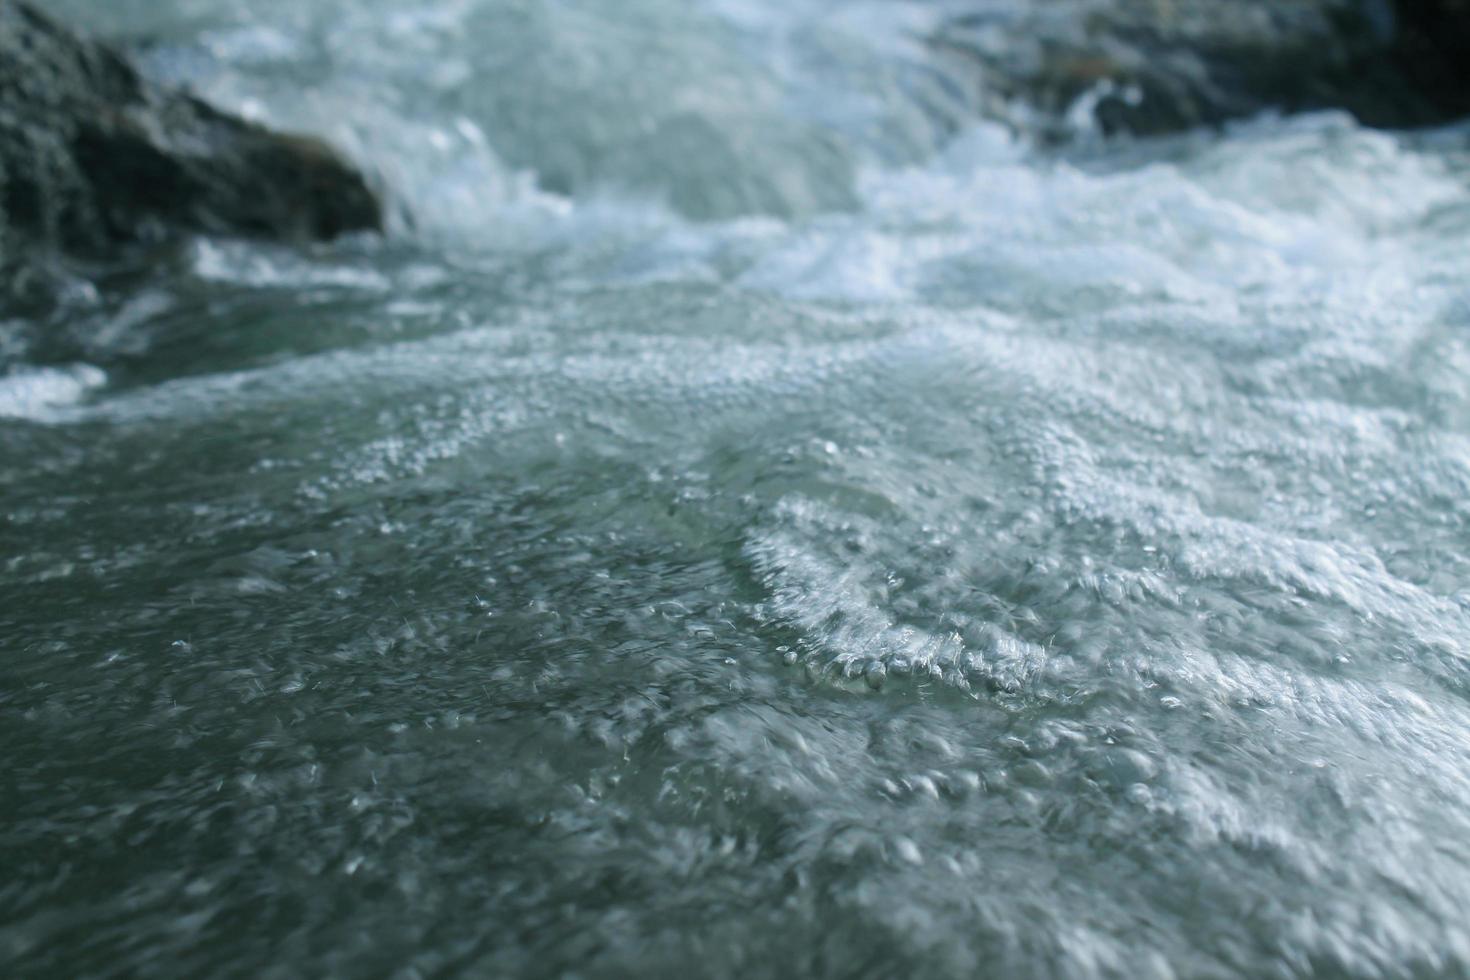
x=1155, y=66
x=93, y=156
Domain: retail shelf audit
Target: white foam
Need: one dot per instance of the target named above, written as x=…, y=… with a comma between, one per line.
x=37, y=393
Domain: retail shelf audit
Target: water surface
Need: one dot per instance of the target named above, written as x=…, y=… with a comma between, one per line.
x=751, y=518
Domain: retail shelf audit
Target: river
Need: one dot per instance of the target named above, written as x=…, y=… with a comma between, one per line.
x=750, y=517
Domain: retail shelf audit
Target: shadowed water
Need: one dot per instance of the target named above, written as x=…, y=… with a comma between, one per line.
x=752, y=519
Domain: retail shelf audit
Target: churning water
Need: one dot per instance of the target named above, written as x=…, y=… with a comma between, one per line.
x=751, y=518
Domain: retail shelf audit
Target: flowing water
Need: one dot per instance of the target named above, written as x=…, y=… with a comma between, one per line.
x=750, y=518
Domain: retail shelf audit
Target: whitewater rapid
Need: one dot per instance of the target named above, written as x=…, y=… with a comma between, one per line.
x=753, y=516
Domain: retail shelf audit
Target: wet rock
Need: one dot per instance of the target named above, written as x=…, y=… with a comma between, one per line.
x=94, y=156
x=1156, y=66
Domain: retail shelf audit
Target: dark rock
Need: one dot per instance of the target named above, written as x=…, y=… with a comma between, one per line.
x=93, y=156
x=1154, y=66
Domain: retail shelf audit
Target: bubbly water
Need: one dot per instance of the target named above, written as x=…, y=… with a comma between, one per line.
x=752, y=518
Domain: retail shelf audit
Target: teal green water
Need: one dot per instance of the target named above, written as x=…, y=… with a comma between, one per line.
x=751, y=518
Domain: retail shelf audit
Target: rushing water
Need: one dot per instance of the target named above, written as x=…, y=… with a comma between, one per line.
x=751, y=518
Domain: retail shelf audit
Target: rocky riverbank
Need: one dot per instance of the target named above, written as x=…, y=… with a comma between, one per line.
x=1155, y=66
x=95, y=157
